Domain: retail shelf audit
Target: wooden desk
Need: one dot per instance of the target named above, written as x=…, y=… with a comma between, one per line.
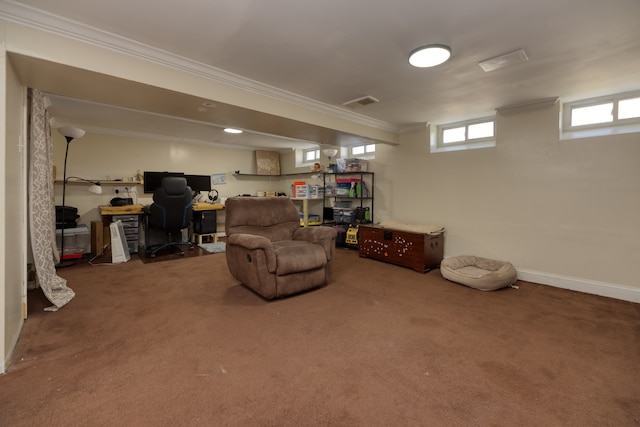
x=103, y=237
x=107, y=212
x=207, y=207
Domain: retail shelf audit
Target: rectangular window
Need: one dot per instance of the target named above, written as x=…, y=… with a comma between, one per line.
x=360, y=150
x=629, y=108
x=481, y=130
x=478, y=133
x=606, y=115
x=453, y=135
x=602, y=113
x=311, y=155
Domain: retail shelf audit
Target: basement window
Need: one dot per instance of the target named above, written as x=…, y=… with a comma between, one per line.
x=607, y=115
x=467, y=135
x=367, y=150
x=311, y=155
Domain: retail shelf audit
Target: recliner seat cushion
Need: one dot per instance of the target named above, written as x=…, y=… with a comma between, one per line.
x=478, y=273
x=294, y=256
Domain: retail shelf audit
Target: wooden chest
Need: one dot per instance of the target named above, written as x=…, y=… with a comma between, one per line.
x=419, y=251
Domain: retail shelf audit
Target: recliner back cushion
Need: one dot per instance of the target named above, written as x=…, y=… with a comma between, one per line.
x=275, y=218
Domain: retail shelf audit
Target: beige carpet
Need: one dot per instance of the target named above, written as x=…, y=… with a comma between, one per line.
x=181, y=343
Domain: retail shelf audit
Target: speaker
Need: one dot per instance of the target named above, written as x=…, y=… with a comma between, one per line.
x=204, y=222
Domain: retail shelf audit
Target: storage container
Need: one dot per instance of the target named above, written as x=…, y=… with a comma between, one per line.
x=76, y=240
x=131, y=230
x=345, y=215
x=312, y=218
x=419, y=251
x=342, y=203
x=316, y=191
x=352, y=165
x=300, y=191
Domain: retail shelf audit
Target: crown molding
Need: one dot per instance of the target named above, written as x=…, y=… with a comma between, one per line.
x=44, y=21
x=414, y=127
x=537, y=104
x=153, y=137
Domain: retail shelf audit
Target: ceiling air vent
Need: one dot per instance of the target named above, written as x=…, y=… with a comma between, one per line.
x=360, y=102
x=505, y=60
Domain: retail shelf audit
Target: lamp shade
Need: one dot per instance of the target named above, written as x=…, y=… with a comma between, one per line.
x=96, y=188
x=329, y=152
x=71, y=132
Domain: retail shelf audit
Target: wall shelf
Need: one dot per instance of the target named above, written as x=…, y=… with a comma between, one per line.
x=254, y=175
x=102, y=182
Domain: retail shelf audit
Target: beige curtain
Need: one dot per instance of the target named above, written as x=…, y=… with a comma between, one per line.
x=42, y=215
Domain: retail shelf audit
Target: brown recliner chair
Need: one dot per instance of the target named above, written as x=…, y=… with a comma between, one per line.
x=270, y=253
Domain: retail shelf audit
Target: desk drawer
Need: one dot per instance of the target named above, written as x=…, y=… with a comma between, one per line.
x=128, y=221
x=130, y=228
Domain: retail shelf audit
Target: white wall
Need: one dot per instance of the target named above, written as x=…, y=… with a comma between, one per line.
x=560, y=211
x=563, y=212
x=12, y=209
x=101, y=157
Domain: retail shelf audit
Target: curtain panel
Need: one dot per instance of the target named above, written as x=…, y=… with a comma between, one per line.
x=42, y=216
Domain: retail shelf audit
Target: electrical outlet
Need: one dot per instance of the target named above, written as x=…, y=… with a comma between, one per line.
x=120, y=191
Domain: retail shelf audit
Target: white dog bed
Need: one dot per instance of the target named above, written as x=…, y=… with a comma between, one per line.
x=479, y=273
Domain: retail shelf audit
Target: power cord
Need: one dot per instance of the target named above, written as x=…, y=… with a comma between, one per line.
x=100, y=254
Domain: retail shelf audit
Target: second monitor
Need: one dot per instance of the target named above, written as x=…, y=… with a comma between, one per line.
x=153, y=180
x=199, y=182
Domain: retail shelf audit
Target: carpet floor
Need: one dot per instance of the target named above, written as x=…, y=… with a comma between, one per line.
x=182, y=343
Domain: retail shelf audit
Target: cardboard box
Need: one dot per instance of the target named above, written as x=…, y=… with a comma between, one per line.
x=97, y=238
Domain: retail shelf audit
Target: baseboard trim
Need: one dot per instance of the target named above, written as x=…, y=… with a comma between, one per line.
x=611, y=290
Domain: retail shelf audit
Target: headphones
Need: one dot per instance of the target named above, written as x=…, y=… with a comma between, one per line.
x=213, y=196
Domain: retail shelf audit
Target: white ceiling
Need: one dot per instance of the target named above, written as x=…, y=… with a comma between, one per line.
x=332, y=51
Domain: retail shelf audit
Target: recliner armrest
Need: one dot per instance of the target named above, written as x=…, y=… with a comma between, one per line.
x=324, y=236
x=252, y=242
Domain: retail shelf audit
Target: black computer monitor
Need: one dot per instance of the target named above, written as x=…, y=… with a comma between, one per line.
x=153, y=180
x=199, y=182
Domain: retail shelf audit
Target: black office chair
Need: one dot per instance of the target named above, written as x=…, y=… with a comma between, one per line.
x=170, y=212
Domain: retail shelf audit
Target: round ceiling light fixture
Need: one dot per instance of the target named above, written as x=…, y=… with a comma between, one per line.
x=429, y=55
x=232, y=130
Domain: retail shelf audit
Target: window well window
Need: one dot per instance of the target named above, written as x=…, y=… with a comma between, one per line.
x=311, y=155
x=602, y=116
x=629, y=108
x=478, y=133
x=360, y=150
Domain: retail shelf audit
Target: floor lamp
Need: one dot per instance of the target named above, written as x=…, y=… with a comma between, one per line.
x=70, y=133
x=330, y=152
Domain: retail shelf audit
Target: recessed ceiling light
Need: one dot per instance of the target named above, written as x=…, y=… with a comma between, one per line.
x=429, y=55
x=232, y=130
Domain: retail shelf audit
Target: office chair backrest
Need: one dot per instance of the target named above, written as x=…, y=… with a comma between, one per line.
x=171, y=208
